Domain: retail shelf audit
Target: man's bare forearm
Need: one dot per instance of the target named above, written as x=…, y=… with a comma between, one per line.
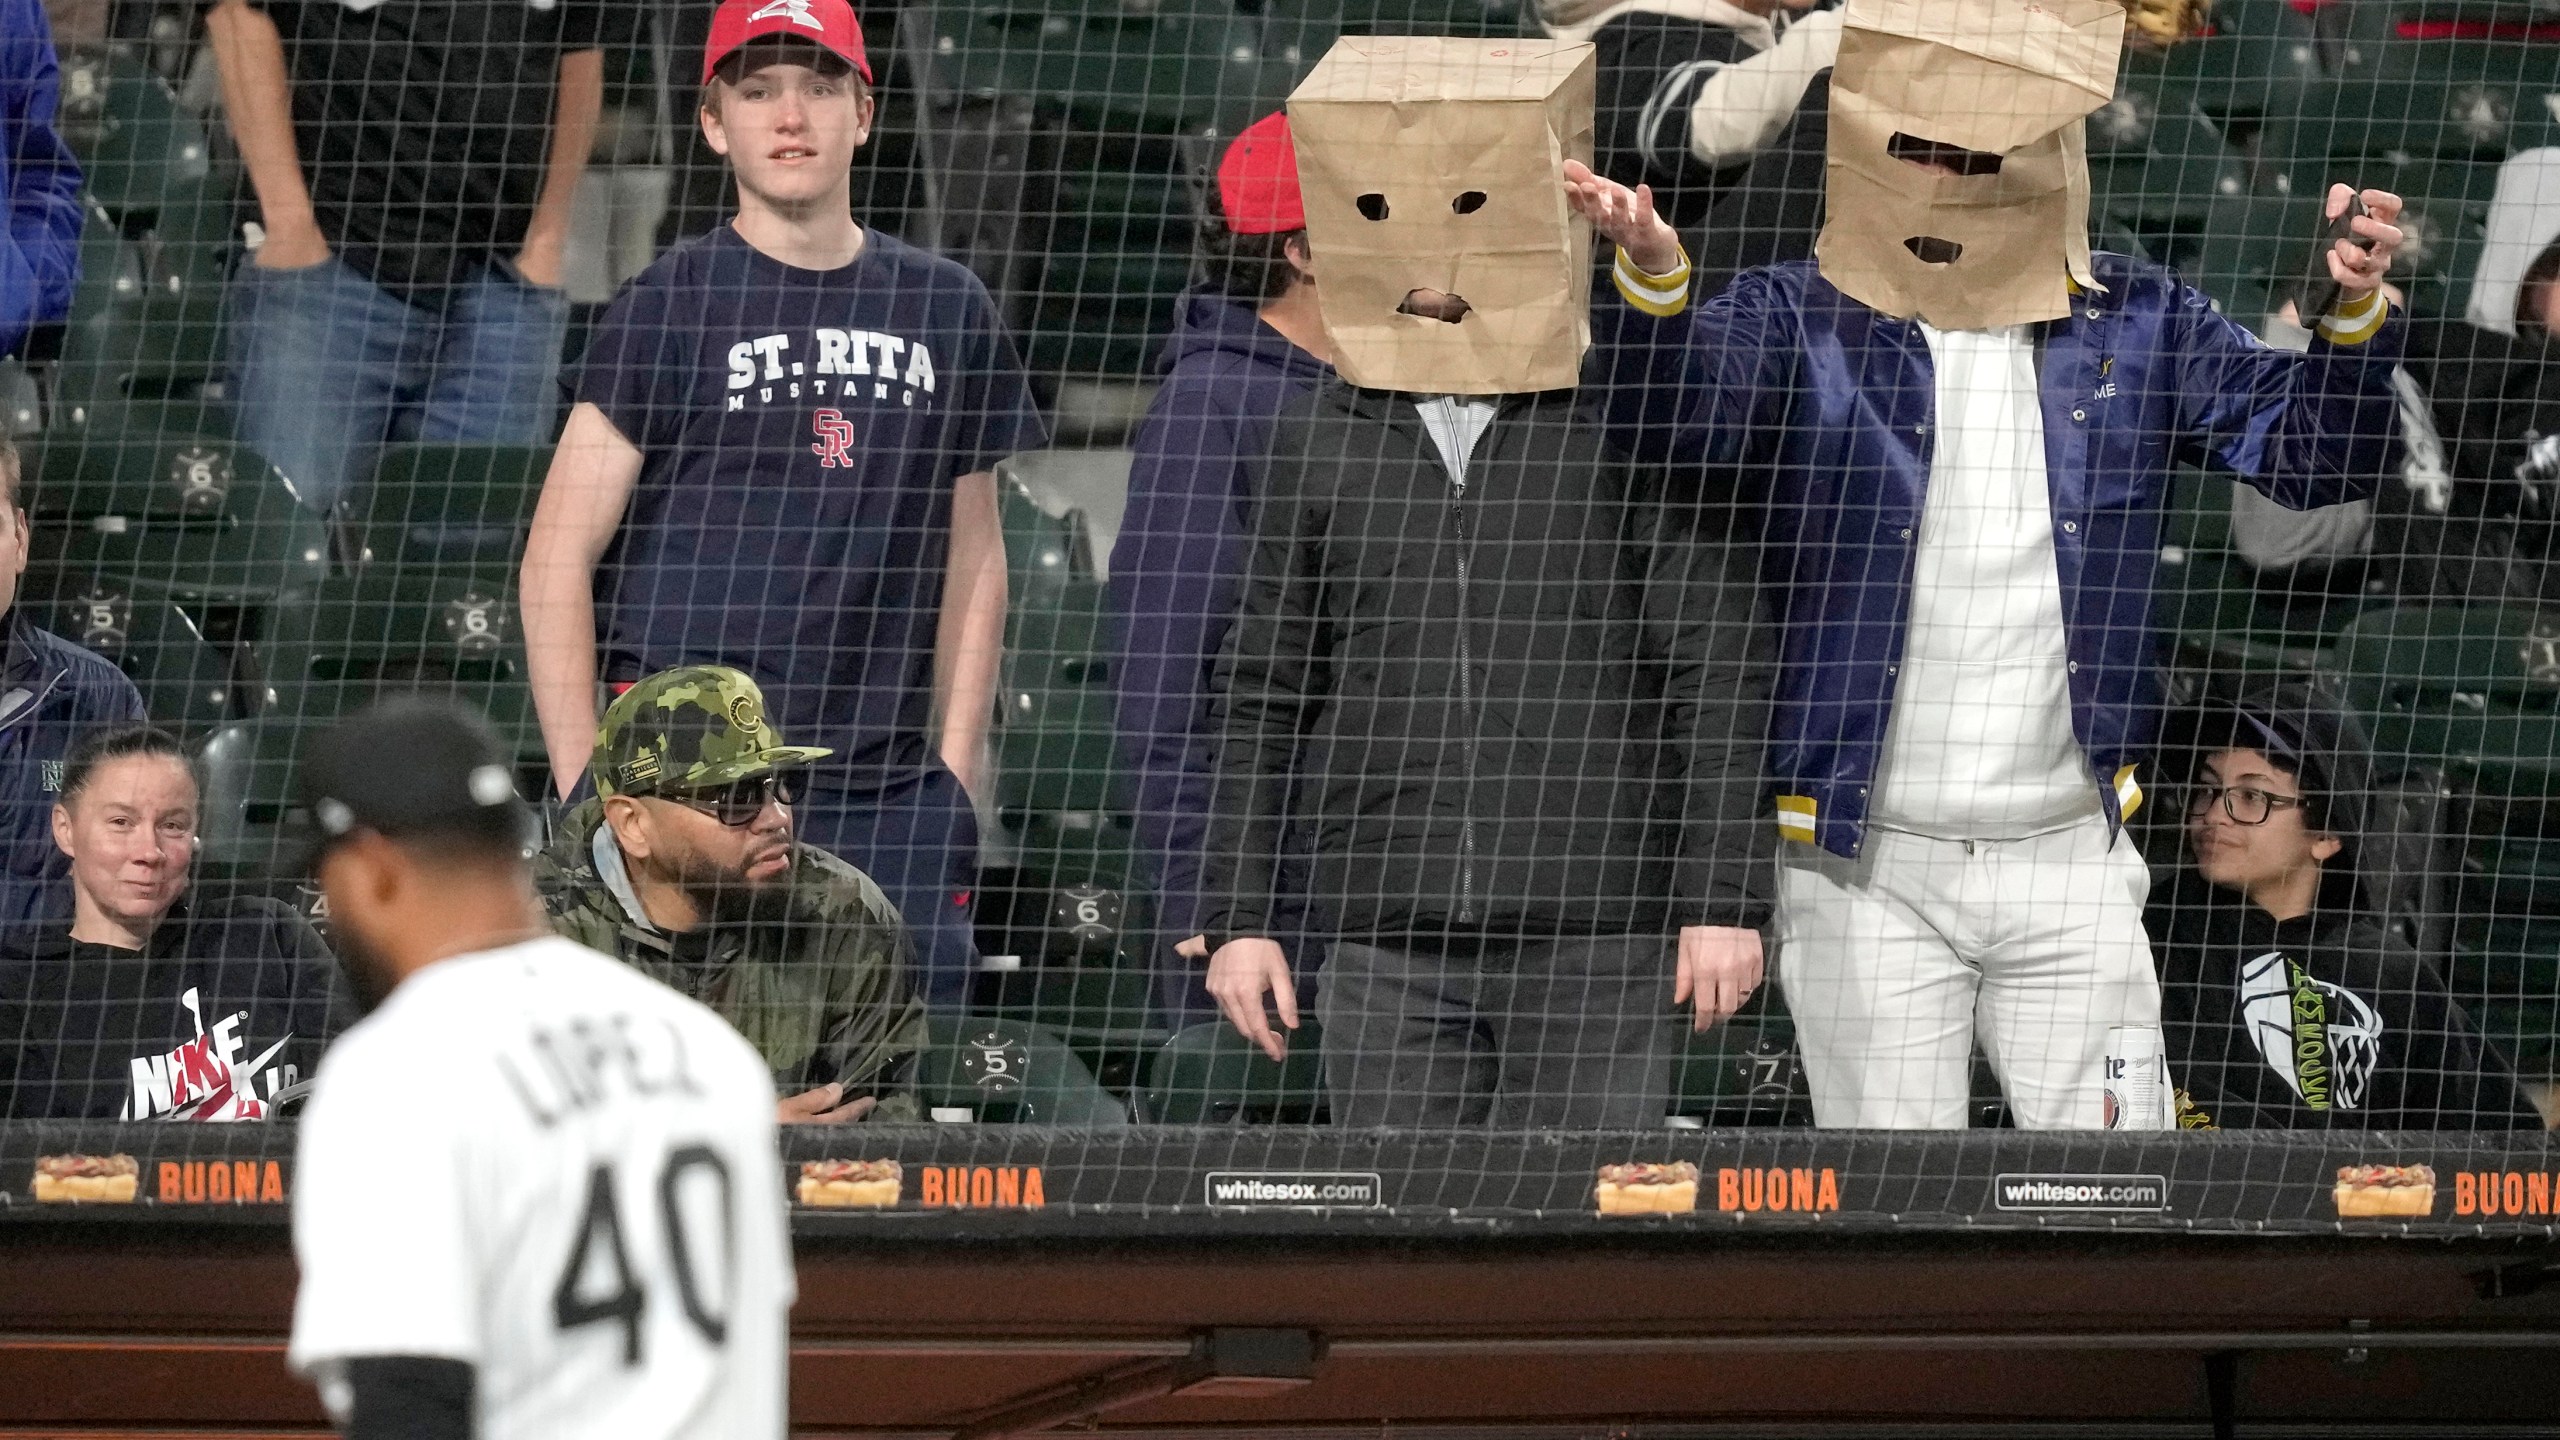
x=560, y=649
x=573, y=138
x=257, y=96
x=970, y=638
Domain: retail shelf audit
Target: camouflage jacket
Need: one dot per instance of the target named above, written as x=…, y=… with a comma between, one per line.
x=823, y=996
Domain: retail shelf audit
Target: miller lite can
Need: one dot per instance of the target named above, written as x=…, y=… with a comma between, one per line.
x=2137, y=1094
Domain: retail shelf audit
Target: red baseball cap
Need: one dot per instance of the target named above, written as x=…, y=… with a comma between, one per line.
x=1258, y=180
x=828, y=24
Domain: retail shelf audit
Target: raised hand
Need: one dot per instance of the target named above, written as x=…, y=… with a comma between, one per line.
x=1624, y=217
x=2359, y=269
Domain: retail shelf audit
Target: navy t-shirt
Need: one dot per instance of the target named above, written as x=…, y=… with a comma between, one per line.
x=802, y=430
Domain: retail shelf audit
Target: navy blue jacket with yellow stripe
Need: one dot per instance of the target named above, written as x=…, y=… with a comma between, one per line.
x=1785, y=374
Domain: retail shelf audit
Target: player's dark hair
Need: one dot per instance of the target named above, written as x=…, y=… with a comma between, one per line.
x=105, y=746
x=2533, y=292
x=454, y=847
x=1249, y=269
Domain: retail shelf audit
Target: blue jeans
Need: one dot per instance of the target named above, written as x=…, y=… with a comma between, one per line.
x=918, y=841
x=327, y=367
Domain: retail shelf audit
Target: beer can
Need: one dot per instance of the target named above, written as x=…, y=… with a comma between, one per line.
x=2138, y=1094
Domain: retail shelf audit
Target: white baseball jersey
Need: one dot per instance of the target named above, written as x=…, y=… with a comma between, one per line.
x=543, y=1163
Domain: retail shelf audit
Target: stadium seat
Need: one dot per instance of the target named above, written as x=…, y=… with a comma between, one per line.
x=183, y=671
x=1744, y=1071
x=450, y=509
x=2238, y=81
x=1207, y=1074
x=250, y=811
x=2475, y=690
x=1003, y=1071
x=1101, y=1012
x=2433, y=100
x=2156, y=170
x=1055, y=765
x=338, y=646
x=2223, y=623
x=1104, y=66
x=21, y=401
x=145, y=323
x=2506, y=971
x=2444, y=226
x=136, y=146
x=155, y=501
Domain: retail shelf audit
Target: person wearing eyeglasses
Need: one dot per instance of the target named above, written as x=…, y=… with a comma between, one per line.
x=2286, y=1003
x=685, y=866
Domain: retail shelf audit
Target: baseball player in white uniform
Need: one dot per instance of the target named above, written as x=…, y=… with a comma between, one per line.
x=537, y=1193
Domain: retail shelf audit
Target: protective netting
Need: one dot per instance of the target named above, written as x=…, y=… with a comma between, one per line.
x=1465, y=711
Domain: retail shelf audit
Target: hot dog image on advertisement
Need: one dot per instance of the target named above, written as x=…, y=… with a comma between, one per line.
x=1647, y=1189
x=850, y=1184
x=86, y=1179
x=2365, y=1191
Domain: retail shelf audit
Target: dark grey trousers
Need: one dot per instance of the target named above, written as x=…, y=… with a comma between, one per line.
x=1569, y=1034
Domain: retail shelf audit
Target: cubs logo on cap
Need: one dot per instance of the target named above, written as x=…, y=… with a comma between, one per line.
x=689, y=728
x=828, y=24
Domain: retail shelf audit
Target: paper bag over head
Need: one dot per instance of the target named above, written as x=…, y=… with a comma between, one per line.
x=1993, y=93
x=1447, y=261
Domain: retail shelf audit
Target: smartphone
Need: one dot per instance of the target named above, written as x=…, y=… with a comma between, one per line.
x=2319, y=288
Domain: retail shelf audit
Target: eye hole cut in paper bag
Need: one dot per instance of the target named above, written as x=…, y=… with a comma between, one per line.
x=1437, y=165
x=1995, y=90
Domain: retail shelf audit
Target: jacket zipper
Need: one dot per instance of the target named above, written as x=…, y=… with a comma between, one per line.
x=1467, y=707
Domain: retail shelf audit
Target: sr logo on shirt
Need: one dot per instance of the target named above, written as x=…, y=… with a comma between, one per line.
x=834, y=447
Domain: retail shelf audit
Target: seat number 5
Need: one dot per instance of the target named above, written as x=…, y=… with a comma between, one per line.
x=597, y=1285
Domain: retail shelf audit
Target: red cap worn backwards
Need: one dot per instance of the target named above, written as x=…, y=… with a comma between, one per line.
x=1258, y=180
x=828, y=24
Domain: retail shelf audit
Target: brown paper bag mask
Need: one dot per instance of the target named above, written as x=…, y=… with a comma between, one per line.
x=1996, y=90
x=1437, y=165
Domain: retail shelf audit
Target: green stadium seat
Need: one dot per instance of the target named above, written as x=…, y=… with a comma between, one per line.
x=177, y=659
x=1744, y=1071
x=153, y=501
x=2476, y=101
x=1104, y=66
x=145, y=324
x=1103, y=1013
x=136, y=145
x=251, y=812
x=2156, y=170
x=1055, y=765
x=1006, y=1071
x=2255, y=244
x=2238, y=81
x=2445, y=227
x=21, y=401
x=1207, y=1074
x=2506, y=970
x=2223, y=624
x=452, y=509
x=338, y=646
x=2475, y=690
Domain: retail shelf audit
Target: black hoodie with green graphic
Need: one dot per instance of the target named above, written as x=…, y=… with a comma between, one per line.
x=2326, y=1021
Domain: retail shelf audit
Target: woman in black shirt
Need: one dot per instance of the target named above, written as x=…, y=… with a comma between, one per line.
x=153, y=1005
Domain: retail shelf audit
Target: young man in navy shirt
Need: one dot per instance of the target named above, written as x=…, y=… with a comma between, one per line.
x=781, y=460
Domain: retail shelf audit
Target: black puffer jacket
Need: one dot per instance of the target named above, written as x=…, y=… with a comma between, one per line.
x=1531, y=705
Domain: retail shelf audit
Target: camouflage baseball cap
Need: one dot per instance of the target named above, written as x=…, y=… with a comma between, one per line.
x=689, y=728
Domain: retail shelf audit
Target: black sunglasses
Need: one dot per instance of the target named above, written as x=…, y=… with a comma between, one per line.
x=740, y=801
